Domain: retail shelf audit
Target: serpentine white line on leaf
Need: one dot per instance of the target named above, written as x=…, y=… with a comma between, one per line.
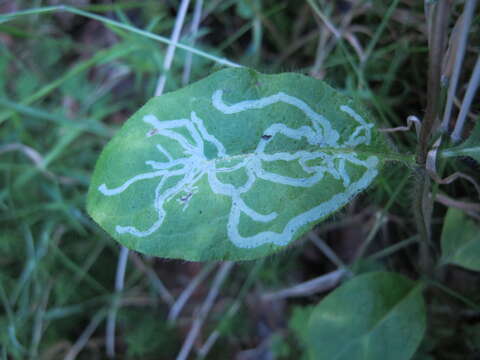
x=195, y=166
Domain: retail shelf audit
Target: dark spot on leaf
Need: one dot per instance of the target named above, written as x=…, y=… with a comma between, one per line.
x=152, y=132
x=186, y=198
x=266, y=137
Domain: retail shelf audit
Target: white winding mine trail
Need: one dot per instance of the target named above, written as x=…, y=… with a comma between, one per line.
x=194, y=166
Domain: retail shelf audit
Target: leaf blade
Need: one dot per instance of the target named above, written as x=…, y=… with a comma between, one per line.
x=460, y=241
x=205, y=172
x=373, y=316
x=470, y=147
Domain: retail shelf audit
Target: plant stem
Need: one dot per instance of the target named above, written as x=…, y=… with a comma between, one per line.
x=422, y=204
x=437, y=46
x=422, y=213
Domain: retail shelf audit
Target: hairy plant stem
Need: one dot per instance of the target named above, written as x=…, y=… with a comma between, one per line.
x=422, y=212
x=437, y=47
x=422, y=204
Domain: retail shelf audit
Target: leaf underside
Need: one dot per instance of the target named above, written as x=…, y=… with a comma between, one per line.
x=235, y=166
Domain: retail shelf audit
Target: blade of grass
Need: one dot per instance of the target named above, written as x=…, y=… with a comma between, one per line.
x=12, y=324
x=468, y=13
x=232, y=310
x=49, y=158
x=379, y=31
x=454, y=294
x=127, y=5
x=34, y=256
x=50, y=9
x=87, y=125
x=112, y=314
x=172, y=46
x=197, y=16
x=326, y=250
x=155, y=281
x=182, y=299
x=242, y=30
x=338, y=35
x=39, y=321
x=222, y=274
x=110, y=54
x=380, y=217
x=85, y=336
x=80, y=273
x=62, y=312
x=467, y=102
x=394, y=248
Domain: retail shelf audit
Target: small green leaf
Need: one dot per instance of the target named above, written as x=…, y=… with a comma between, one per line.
x=235, y=166
x=373, y=316
x=470, y=147
x=460, y=241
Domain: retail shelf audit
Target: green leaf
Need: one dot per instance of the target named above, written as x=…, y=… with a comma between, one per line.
x=460, y=241
x=235, y=166
x=298, y=333
x=470, y=147
x=373, y=316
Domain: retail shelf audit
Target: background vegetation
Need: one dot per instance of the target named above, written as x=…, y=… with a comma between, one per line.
x=69, y=79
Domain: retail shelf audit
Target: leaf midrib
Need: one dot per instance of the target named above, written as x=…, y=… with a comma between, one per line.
x=383, y=156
